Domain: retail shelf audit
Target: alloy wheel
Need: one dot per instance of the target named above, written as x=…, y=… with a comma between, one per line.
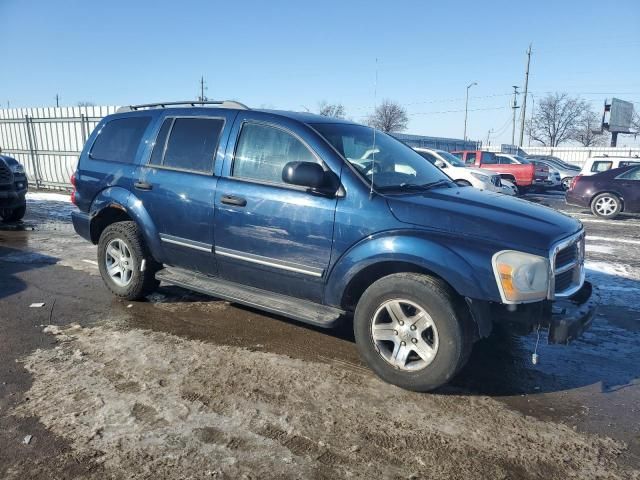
x=119, y=262
x=606, y=206
x=404, y=335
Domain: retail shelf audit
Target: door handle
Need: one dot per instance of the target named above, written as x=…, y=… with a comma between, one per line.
x=143, y=186
x=233, y=200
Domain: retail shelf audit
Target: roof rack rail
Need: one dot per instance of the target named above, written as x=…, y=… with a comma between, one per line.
x=192, y=103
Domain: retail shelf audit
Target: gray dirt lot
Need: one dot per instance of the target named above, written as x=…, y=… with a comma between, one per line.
x=185, y=386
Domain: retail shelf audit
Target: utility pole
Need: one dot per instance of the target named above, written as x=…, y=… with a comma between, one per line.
x=466, y=109
x=57, y=100
x=524, y=102
x=514, y=107
x=202, y=98
x=489, y=136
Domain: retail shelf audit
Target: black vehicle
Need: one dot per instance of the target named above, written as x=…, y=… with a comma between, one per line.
x=13, y=188
x=607, y=193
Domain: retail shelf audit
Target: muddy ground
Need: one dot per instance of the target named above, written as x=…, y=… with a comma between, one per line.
x=185, y=386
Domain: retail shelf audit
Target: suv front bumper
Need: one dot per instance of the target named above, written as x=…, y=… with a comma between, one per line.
x=572, y=316
x=566, y=318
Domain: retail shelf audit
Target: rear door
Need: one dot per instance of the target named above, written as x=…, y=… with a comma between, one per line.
x=177, y=185
x=269, y=234
x=628, y=184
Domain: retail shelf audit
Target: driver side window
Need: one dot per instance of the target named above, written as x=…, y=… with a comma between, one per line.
x=263, y=151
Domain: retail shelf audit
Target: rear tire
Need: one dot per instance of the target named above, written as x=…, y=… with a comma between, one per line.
x=606, y=205
x=121, y=252
x=15, y=214
x=422, y=358
x=566, y=183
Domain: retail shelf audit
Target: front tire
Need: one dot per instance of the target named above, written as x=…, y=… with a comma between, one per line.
x=411, y=331
x=566, y=183
x=606, y=205
x=15, y=214
x=121, y=253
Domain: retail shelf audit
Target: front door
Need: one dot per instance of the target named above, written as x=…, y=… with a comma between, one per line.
x=177, y=187
x=269, y=234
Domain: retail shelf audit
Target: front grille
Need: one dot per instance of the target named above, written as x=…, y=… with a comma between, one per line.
x=568, y=263
x=5, y=173
x=495, y=180
x=566, y=256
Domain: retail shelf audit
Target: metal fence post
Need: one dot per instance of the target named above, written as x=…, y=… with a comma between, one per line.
x=84, y=126
x=32, y=151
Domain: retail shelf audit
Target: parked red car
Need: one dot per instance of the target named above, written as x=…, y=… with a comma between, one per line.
x=524, y=174
x=607, y=193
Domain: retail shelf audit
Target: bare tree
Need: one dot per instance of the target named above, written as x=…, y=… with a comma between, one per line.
x=389, y=116
x=556, y=119
x=331, y=109
x=635, y=122
x=588, y=131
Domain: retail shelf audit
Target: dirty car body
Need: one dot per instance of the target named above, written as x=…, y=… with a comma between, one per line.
x=312, y=232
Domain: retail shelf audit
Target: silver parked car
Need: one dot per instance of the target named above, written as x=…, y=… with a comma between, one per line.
x=564, y=169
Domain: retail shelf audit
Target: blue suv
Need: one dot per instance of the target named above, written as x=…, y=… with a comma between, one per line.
x=324, y=220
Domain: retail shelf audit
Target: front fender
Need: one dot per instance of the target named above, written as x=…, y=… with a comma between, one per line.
x=466, y=270
x=122, y=199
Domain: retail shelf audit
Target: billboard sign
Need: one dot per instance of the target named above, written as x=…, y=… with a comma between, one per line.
x=620, y=116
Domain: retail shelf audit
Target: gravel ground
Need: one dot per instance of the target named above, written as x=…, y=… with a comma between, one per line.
x=183, y=386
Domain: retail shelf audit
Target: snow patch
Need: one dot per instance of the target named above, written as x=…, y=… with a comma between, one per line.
x=48, y=197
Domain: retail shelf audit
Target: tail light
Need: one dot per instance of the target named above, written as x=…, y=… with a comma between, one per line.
x=73, y=192
x=574, y=181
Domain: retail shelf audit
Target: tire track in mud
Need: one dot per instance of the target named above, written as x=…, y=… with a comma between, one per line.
x=151, y=405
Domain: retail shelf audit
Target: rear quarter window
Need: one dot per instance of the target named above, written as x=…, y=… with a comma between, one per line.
x=601, y=166
x=119, y=139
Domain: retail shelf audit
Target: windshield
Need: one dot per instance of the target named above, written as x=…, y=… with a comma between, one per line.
x=452, y=159
x=390, y=163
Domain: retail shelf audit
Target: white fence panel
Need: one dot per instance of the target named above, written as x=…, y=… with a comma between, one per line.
x=575, y=155
x=48, y=140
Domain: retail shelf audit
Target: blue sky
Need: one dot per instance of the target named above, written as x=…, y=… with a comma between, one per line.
x=294, y=54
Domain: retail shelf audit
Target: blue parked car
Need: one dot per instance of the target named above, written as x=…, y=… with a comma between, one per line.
x=324, y=220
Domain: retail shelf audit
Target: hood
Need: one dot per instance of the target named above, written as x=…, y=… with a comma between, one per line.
x=488, y=215
x=486, y=173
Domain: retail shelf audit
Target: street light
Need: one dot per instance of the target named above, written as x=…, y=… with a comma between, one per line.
x=466, y=109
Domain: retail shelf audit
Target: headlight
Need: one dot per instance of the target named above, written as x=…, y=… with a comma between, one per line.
x=17, y=168
x=481, y=177
x=521, y=277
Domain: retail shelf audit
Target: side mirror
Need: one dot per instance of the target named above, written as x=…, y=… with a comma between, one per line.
x=440, y=164
x=304, y=174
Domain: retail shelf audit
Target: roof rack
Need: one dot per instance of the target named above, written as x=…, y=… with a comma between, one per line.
x=192, y=103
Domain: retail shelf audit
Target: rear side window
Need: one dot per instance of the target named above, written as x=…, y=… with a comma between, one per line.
x=633, y=174
x=119, y=139
x=191, y=146
x=471, y=158
x=263, y=151
x=601, y=166
x=628, y=163
x=428, y=156
x=490, y=158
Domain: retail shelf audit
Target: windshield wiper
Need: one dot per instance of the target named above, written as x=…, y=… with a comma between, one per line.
x=405, y=187
x=401, y=187
x=436, y=184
